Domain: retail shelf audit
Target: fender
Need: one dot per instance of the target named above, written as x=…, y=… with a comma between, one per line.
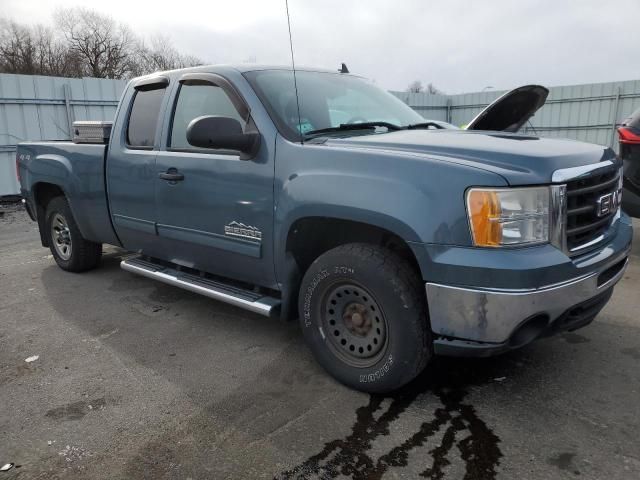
x=429, y=211
x=333, y=195
x=79, y=175
x=49, y=169
x=422, y=202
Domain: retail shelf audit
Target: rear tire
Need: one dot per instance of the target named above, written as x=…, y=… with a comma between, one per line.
x=363, y=314
x=68, y=247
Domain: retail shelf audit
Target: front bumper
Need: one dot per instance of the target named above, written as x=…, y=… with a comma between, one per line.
x=482, y=321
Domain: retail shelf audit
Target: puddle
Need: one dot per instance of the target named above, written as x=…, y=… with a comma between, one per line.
x=462, y=433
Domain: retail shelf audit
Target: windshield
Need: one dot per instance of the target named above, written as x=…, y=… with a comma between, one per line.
x=327, y=100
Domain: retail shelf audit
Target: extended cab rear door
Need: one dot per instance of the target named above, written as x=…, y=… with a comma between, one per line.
x=214, y=210
x=131, y=172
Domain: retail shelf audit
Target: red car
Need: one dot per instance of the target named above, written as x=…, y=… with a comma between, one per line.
x=629, y=133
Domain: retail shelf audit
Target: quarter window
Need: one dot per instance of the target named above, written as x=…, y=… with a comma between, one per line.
x=143, y=119
x=195, y=101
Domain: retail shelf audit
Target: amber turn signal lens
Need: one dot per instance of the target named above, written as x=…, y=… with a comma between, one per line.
x=484, y=211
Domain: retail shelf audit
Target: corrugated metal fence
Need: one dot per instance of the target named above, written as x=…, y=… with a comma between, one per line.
x=582, y=112
x=43, y=108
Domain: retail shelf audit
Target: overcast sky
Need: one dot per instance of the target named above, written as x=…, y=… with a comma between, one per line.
x=460, y=46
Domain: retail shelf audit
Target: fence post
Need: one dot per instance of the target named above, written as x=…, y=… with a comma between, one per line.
x=67, y=105
x=448, y=110
x=614, y=122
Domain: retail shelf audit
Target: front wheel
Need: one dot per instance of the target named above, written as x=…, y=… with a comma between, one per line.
x=363, y=314
x=69, y=248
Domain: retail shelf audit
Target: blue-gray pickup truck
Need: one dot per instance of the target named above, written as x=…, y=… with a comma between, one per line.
x=316, y=195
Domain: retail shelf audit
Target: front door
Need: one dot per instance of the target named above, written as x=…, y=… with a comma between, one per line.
x=214, y=211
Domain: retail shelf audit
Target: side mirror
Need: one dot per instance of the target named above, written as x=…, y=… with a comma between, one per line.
x=212, y=131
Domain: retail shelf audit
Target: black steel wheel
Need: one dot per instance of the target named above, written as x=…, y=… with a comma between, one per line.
x=363, y=314
x=354, y=324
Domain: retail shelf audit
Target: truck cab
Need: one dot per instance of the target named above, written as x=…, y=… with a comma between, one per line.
x=315, y=195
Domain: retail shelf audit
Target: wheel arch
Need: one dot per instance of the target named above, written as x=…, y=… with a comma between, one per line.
x=304, y=242
x=43, y=193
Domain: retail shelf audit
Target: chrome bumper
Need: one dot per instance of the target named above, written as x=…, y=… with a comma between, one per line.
x=493, y=315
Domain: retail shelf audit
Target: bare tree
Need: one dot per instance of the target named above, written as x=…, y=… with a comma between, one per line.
x=17, y=49
x=415, y=87
x=53, y=56
x=34, y=51
x=431, y=88
x=89, y=44
x=159, y=54
x=103, y=46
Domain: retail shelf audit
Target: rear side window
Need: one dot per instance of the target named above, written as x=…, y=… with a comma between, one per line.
x=143, y=119
x=195, y=101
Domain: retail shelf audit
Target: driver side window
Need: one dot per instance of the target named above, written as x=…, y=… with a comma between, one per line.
x=195, y=101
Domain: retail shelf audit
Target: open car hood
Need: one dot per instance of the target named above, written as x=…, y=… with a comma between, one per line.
x=512, y=110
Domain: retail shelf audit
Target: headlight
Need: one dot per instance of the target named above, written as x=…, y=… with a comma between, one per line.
x=508, y=216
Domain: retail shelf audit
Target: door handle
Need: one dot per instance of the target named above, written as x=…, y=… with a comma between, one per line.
x=172, y=175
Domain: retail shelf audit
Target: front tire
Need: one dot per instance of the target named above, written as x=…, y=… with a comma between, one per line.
x=69, y=248
x=363, y=314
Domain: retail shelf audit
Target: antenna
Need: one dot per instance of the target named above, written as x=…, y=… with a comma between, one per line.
x=293, y=66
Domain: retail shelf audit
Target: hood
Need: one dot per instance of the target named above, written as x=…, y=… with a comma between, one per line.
x=520, y=159
x=512, y=110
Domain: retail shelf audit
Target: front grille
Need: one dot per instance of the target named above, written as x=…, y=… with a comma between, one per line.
x=583, y=223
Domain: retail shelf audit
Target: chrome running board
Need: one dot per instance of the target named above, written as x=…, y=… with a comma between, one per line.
x=247, y=299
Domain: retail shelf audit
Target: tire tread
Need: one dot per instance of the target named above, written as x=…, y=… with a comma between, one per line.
x=399, y=267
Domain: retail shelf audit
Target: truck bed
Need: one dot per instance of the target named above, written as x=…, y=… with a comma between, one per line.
x=80, y=169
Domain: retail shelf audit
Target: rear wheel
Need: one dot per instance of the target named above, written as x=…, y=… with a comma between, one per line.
x=363, y=314
x=68, y=247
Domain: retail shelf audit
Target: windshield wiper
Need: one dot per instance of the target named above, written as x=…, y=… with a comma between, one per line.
x=423, y=125
x=353, y=126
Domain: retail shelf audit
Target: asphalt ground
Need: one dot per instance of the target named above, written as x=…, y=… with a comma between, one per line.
x=135, y=379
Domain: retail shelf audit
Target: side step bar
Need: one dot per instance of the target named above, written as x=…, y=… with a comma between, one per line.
x=252, y=301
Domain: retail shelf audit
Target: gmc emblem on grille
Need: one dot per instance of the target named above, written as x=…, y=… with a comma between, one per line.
x=607, y=204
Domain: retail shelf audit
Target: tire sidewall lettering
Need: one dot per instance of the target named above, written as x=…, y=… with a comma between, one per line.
x=378, y=374
x=344, y=270
x=308, y=295
x=340, y=271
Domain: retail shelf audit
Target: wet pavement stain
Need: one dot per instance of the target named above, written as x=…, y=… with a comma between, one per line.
x=143, y=306
x=76, y=410
x=575, y=338
x=25, y=369
x=166, y=294
x=633, y=352
x=462, y=428
x=564, y=461
x=127, y=284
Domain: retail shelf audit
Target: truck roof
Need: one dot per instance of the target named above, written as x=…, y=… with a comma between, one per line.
x=242, y=68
